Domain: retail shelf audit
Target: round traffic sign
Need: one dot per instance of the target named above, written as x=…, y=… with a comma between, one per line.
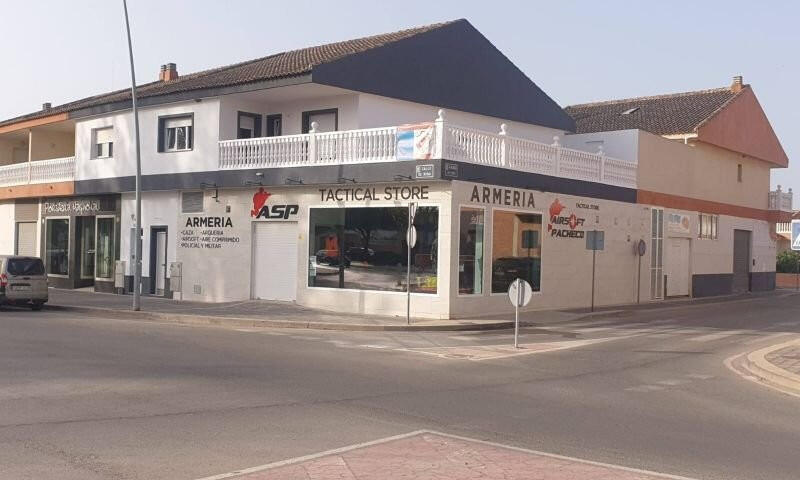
x=520, y=293
x=411, y=236
x=641, y=248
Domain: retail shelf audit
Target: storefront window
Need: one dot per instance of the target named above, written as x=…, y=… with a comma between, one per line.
x=57, y=246
x=470, y=251
x=105, y=248
x=516, y=249
x=365, y=248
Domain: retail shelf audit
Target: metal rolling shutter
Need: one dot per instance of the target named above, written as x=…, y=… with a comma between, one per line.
x=275, y=261
x=26, y=239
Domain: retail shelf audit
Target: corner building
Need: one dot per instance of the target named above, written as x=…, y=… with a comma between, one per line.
x=290, y=178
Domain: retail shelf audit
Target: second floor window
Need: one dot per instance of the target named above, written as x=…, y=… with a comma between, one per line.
x=176, y=133
x=708, y=226
x=249, y=125
x=104, y=142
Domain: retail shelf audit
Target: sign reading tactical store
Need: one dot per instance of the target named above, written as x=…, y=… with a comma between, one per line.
x=405, y=192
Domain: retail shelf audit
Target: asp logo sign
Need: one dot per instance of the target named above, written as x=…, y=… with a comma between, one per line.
x=262, y=211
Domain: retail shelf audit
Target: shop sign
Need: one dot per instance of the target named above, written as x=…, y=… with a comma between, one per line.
x=415, y=142
x=562, y=225
x=72, y=207
x=262, y=211
x=210, y=237
x=360, y=194
x=678, y=223
x=502, y=196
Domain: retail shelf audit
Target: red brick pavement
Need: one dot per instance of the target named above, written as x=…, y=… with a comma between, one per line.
x=433, y=456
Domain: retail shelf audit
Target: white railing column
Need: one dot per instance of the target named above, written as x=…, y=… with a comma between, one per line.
x=312, y=143
x=438, y=148
x=503, y=134
x=602, y=163
x=558, y=155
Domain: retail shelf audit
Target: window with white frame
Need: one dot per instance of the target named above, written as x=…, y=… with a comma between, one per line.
x=176, y=133
x=709, y=225
x=103, y=143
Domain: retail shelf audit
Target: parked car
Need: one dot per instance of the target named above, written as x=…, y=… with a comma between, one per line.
x=507, y=269
x=360, y=254
x=331, y=257
x=23, y=281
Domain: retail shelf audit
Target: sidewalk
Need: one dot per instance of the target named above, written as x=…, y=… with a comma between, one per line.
x=261, y=313
x=776, y=366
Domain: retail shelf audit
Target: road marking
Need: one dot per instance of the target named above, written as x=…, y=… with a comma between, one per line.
x=479, y=353
x=673, y=383
x=405, y=436
x=717, y=336
x=700, y=376
x=645, y=388
x=767, y=337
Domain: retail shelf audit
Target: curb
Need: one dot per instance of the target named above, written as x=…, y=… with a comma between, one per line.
x=754, y=366
x=244, y=322
x=757, y=364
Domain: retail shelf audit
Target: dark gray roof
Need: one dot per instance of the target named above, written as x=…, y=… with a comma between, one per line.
x=281, y=65
x=672, y=114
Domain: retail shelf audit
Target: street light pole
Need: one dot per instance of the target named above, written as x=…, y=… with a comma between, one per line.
x=137, y=272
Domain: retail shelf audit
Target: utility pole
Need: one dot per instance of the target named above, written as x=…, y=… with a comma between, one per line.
x=137, y=272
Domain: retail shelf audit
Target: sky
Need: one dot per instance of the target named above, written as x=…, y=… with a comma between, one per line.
x=576, y=51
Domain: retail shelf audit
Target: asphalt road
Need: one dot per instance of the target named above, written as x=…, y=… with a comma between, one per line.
x=90, y=398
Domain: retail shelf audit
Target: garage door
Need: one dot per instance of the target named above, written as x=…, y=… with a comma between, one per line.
x=741, y=261
x=677, y=268
x=275, y=261
x=26, y=239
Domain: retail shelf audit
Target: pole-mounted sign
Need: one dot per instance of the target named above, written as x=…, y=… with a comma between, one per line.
x=520, y=293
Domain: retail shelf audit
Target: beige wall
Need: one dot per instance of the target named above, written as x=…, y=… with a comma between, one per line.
x=7, y=151
x=702, y=172
x=50, y=144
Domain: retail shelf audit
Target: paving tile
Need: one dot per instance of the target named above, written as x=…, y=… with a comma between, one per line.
x=431, y=456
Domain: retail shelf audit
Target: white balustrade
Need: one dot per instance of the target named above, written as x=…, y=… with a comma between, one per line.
x=39, y=171
x=452, y=142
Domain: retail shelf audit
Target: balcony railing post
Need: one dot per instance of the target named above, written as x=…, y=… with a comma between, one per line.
x=602, y=163
x=503, y=134
x=312, y=143
x=439, y=132
x=558, y=155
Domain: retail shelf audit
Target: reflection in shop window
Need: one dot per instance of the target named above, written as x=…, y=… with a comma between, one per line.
x=516, y=249
x=470, y=251
x=105, y=248
x=365, y=248
x=57, y=246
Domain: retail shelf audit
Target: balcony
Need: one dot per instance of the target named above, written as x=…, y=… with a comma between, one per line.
x=780, y=201
x=439, y=140
x=37, y=172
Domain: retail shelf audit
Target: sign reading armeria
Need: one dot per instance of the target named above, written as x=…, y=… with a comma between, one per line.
x=209, y=222
x=371, y=193
x=503, y=196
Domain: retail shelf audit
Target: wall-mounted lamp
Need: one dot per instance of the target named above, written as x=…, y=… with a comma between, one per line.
x=205, y=185
x=294, y=181
x=402, y=177
x=345, y=180
x=259, y=176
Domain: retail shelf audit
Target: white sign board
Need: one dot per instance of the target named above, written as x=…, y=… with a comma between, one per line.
x=520, y=293
x=795, y=235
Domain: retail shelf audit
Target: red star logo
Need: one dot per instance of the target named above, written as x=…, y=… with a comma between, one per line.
x=259, y=199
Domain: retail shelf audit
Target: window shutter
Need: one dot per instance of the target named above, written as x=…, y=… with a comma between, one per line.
x=178, y=122
x=192, y=202
x=104, y=135
x=247, y=122
x=160, y=145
